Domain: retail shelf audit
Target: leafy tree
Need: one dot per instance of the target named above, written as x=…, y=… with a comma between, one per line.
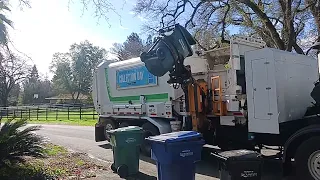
x=46, y=90
x=84, y=59
x=34, y=85
x=4, y=22
x=31, y=86
x=34, y=75
x=62, y=78
x=73, y=71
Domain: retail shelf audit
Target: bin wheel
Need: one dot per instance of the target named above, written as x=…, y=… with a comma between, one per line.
x=109, y=125
x=307, y=159
x=149, y=130
x=113, y=168
x=123, y=171
x=123, y=124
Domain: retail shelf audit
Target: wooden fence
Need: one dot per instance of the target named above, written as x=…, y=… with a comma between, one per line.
x=49, y=113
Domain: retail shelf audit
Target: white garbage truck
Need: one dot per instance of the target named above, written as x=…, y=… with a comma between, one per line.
x=242, y=96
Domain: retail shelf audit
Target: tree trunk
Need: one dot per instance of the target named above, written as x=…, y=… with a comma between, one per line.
x=315, y=11
x=77, y=97
x=4, y=99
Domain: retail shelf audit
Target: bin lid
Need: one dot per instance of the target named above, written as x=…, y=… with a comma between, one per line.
x=175, y=137
x=125, y=129
x=240, y=154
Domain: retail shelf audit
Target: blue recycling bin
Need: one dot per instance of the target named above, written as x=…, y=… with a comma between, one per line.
x=176, y=154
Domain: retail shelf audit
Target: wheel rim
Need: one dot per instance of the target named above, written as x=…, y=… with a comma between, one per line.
x=108, y=128
x=314, y=164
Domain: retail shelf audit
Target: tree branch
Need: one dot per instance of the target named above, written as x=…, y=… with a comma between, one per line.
x=175, y=14
x=273, y=31
x=24, y=3
x=223, y=21
x=297, y=48
x=193, y=14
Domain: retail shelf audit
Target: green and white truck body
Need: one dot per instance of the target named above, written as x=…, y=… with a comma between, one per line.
x=126, y=90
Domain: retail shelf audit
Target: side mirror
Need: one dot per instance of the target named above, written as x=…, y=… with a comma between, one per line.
x=169, y=51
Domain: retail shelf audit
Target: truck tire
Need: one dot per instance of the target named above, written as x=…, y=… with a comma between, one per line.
x=307, y=159
x=109, y=125
x=149, y=130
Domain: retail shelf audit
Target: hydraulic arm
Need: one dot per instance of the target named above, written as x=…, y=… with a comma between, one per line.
x=167, y=55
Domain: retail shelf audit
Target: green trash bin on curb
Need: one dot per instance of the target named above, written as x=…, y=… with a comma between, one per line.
x=125, y=144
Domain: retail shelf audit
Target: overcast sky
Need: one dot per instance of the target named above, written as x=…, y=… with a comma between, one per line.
x=51, y=26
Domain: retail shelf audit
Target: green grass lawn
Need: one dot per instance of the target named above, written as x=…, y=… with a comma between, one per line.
x=65, y=122
x=62, y=121
x=52, y=116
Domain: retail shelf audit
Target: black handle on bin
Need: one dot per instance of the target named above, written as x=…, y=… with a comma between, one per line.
x=185, y=140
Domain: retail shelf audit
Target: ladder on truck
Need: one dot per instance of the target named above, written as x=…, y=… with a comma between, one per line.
x=219, y=108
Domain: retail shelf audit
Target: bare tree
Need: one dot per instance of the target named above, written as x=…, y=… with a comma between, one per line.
x=102, y=8
x=118, y=50
x=314, y=6
x=13, y=70
x=209, y=38
x=280, y=23
x=131, y=48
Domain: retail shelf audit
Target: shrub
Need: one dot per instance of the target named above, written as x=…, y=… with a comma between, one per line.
x=17, y=141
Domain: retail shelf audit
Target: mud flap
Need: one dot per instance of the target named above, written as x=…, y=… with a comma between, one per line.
x=99, y=133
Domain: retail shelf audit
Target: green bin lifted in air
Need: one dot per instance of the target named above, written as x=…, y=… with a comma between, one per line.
x=125, y=144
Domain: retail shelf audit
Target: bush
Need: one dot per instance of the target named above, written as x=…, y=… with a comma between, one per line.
x=17, y=141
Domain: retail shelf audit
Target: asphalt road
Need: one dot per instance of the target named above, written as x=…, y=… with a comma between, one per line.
x=81, y=139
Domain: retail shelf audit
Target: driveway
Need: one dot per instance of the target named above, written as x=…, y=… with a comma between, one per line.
x=81, y=139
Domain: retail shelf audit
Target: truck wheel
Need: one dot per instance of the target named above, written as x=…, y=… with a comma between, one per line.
x=109, y=125
x=307, y=159
x=123, y=124
x=149, y=130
